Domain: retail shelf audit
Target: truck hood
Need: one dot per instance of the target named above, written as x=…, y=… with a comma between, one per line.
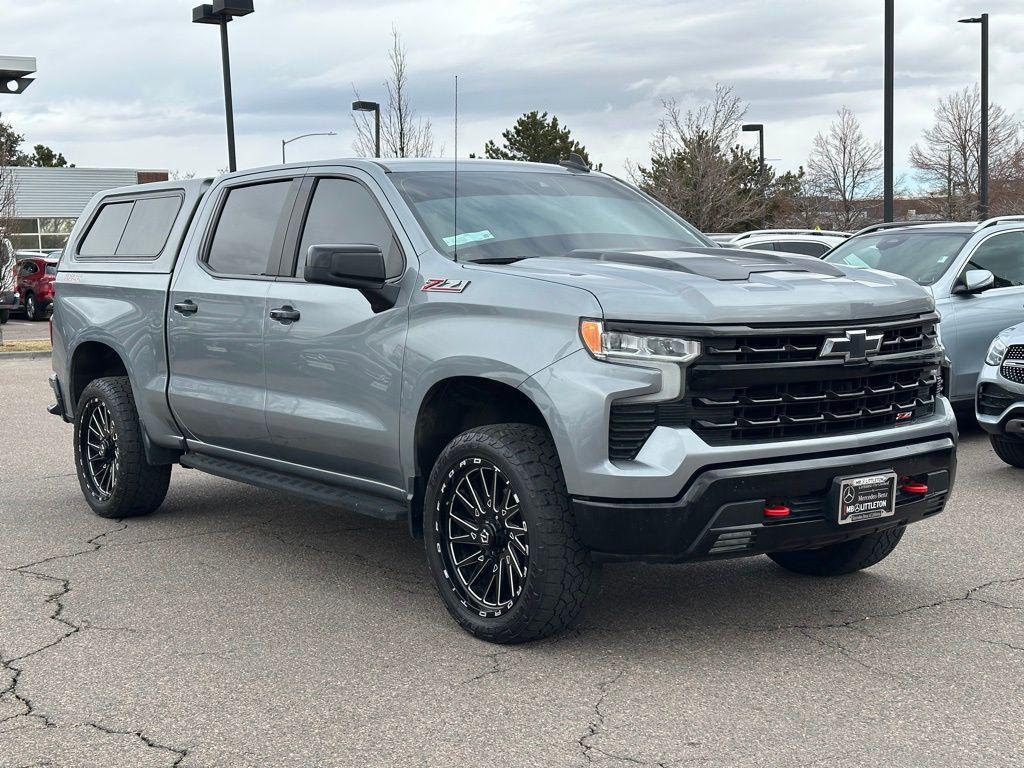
x=727, y=286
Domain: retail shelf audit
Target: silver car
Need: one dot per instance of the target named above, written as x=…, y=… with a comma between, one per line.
x=1000, y=402
x=974, y=271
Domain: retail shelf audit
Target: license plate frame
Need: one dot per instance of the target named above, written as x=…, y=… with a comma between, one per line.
x=861, y=498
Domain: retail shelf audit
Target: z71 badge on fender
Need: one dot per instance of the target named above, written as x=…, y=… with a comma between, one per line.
x=444, y=285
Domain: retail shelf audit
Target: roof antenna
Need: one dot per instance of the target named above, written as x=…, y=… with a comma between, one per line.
x=455, y=232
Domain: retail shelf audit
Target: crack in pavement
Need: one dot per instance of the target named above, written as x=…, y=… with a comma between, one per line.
x=496, y=668
x=969, y=596
x=150, y=743
x=55, y=599
x=846, y=653
x=1011, y=646
x=597, y=718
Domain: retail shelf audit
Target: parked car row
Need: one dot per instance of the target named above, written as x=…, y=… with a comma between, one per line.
x=34, y=275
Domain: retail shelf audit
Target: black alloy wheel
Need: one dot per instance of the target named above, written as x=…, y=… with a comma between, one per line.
x=484, y=538
x=99, y=450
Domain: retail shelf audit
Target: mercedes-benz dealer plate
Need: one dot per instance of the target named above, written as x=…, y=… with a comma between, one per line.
x=867, y=498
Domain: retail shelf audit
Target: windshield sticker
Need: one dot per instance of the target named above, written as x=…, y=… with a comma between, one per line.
x=468, y=237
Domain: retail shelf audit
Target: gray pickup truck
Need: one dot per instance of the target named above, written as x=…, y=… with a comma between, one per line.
x=543, y=372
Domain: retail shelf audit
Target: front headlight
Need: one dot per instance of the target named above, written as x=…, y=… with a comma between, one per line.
x=624, y=345
x=996, y=352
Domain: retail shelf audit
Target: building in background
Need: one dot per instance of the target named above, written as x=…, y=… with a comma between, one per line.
x=48, y=201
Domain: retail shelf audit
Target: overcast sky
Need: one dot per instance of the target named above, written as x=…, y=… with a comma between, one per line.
x=136, y=84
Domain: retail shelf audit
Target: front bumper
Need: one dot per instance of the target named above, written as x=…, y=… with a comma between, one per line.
x=720, y=513
x=999, y=403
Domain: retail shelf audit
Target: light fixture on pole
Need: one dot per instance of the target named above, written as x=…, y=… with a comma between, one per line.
x=14, y=73
x=371, y=106
x=286, y=142
x=983, y=149
x=760, y=136
x=221, y=12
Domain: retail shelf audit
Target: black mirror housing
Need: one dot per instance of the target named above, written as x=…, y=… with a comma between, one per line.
x=348, y=266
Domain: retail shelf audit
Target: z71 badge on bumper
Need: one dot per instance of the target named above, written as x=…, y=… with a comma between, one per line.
x=867, y=498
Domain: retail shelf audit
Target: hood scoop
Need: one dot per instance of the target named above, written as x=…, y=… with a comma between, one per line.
x=715, y=263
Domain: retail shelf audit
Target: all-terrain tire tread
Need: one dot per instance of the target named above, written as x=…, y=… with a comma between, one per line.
x=566, y=573
x=844, y=557
x=1008, y=449
x=141, y=486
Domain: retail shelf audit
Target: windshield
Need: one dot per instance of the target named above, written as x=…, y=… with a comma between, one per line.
x=922, y=256
x=510, y=215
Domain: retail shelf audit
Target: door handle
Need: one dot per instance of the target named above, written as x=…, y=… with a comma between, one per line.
x=286, y=314
x=187, y=307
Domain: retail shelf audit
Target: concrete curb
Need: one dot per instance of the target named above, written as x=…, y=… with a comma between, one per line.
x=24, y=355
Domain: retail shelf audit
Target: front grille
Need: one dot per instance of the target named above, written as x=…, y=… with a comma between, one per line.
x=770, y=385
x=1010, y=371
x=805, y=344
x=993, y=399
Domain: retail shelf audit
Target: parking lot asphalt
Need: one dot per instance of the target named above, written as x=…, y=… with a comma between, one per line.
x=19, y=329
x=242, y=627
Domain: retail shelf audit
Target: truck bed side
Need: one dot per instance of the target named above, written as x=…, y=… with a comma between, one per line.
x=110, y=310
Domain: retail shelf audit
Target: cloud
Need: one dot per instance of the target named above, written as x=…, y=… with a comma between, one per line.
x=139, y=84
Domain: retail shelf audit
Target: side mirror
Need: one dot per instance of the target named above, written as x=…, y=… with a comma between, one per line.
x=975, y=281
x=347, y=266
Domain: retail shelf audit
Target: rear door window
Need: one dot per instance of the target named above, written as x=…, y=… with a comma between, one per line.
x=249, y=220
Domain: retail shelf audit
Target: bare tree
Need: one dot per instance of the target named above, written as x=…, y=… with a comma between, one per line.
x=947, y=159
x=403, y=134
x=696, y=167
x=843, y=170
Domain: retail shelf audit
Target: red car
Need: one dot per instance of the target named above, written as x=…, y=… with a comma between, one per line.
x=35, y=275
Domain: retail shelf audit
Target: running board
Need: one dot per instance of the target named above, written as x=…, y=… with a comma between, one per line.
x=323, y=493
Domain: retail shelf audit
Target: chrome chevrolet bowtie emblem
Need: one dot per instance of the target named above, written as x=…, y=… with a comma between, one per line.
x=853, y=347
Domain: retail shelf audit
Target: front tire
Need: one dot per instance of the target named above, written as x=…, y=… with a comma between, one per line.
x=1008, y=449
x=500, y=536
x=110, y=459
x=5, y=315
x=842, y=558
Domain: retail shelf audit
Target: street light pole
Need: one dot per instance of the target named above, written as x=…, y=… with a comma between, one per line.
x=888, y=214
x=229, y=109
x=759, y=127
x=371, y=106
x=983, y=149
x=221, y=12
x=286, y=142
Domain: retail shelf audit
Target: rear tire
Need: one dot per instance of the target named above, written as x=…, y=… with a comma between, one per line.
x=1009, y=449
x=519, y=532
x=844, y=557
x=110, y=458
x=5, y=315
x=31, y=308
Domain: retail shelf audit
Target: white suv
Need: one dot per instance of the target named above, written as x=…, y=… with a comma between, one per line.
x=805, y=242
